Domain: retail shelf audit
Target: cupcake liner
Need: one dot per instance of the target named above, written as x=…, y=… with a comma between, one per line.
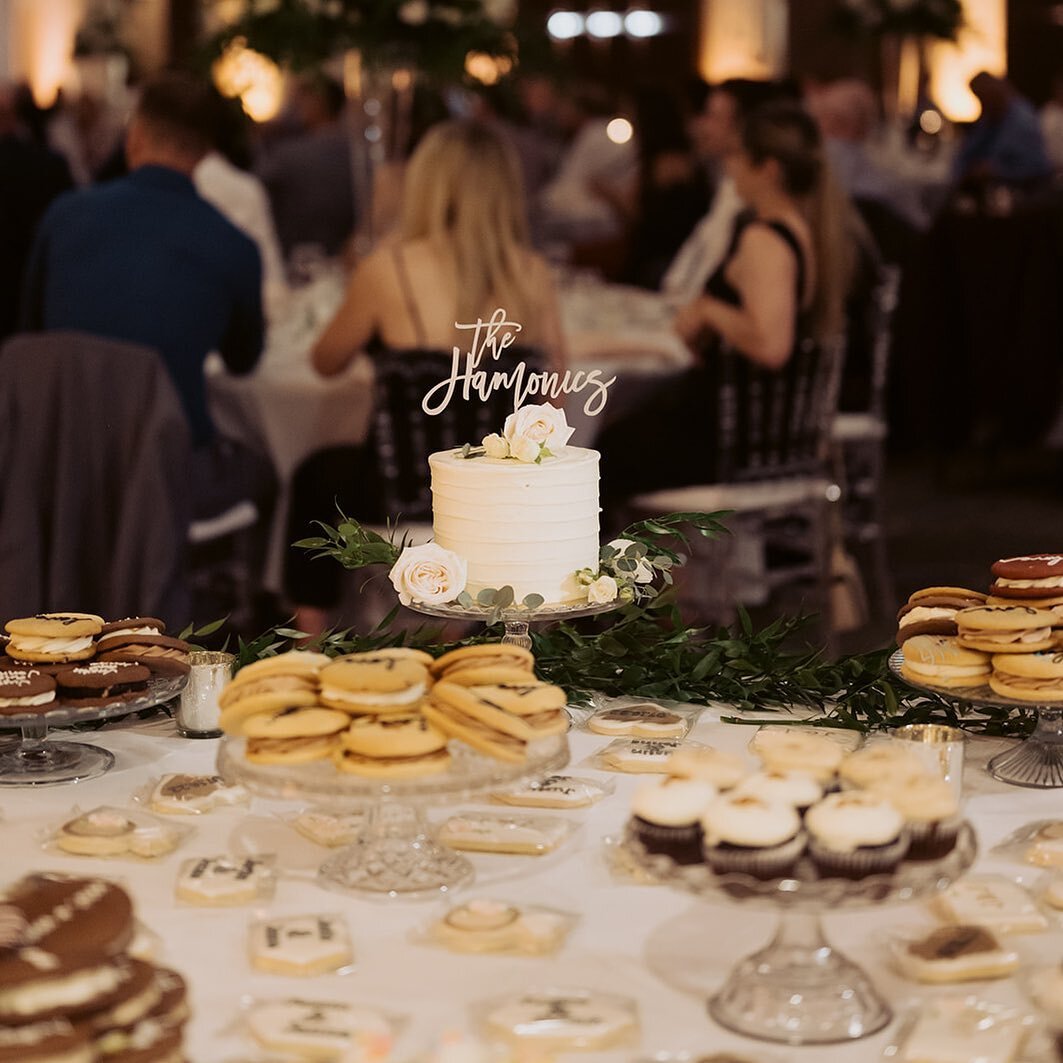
x=861, y=862
x=682, y=844
x=934, y=840
x=776, y=861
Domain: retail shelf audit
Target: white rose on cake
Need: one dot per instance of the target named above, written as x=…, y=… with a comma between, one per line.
x=495, y=445
x=602, y=591
x=643, y=569
x=428, y=574
x=544, y=426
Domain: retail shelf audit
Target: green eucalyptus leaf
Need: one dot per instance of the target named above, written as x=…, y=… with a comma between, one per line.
x=486, y=596
x=533, y=601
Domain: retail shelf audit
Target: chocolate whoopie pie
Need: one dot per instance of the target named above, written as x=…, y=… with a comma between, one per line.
x=132, y=625
x=25, y=690
x=1028, y=576
x=160, y=653
x=102, y=682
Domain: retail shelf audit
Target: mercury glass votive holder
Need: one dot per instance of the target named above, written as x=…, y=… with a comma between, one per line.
x=197, y=708
x=940, y=747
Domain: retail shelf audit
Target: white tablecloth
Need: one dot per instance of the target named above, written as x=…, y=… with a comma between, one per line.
x=622, y=926
x=286, y=411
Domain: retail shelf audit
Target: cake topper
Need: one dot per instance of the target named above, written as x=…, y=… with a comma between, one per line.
x=492, y=337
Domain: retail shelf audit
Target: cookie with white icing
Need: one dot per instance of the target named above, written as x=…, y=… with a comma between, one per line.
x=319, y=1029
x=484, y=925
x=565, y=1019
x=638, y=755
x=993, y=902
x=183, y=794
x=553, y=791
x=490, y=832
x=959, y=1030
x=300, y=944
x=955, y=954
x=638, y=721
x=332, y=829
x=219, y=881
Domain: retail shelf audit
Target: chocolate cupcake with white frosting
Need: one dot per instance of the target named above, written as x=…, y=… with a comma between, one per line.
x=931, y=813
x=854, y=834
x=797, y=789
x=753, y=836
x=716, y=766
x=666, y=817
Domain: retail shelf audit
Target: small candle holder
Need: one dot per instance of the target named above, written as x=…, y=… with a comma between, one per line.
x=198, y=712
x=940, y=747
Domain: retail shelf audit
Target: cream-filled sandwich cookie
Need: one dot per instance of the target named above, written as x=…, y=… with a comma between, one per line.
x=528, y=698
x=481, y=736
x=487, y=654
x=1029, y=576
x=553, y=791
x=53, y=637
x=299, y=721
x=954, y=954
x=132, y=625
x=990, y=901
x=567, y=1019
x=101, y=683
x=933, y=611
x=183, y=794
x=1036, y=677
x=346, y=760
x=295, y=664
x=638, y=755
x=638, y=721
x=300, y=944
x=161, y=653
x=290, y=750
x=473, y=675
x=172, y=1009
x=25, y=690
x=258, y=701
x=1052, y=893
x=404, y=735
x=939, y=660
x=483, y=925
x=149, y=1041
x=490, y=832
x=1006, y=629
x=373, y=683
x=139, y=997
x=332, y=829
x=325, y=1030
x=223, y=880
x=48, y=1041
x=521, y=718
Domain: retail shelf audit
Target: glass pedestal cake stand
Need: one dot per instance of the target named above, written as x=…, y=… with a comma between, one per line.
x=800, y=990
x=1037, y=762
x=395, y=856
x=516, y=618
x=34, y=761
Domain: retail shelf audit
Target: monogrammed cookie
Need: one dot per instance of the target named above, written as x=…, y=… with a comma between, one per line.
x=333, y=829
x=990, y=901
x=502, y=832
x=638, y=721
x=575, y=1019
x=319, y=1029
x=638, y=755
x=219, y=881
x=183, y=794
x=553, y=791
x=300, y=944
x=483, y=925
x=25, y=690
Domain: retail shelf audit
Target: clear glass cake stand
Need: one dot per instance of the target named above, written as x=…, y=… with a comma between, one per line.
x=516, y=618
x=395, y=856
x=799, y=989
x=1037, y=762
x=35, y=761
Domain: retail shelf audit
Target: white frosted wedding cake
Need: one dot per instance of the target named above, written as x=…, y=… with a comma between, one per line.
x=528, y=526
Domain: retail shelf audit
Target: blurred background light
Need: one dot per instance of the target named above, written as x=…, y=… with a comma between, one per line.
x=604, y=24
x=564, y=25
x=642, y=23
x=619, y=130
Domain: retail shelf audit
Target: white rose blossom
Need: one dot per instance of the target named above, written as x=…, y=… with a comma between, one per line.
x=544, y=425
x=643, y=569
x=524, y=449
x=428, y=574
x=495, y=445
x=602, y=591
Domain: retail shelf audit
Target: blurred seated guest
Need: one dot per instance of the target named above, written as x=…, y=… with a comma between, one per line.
x=86, y=132
x=31, y=176
x=783, y=279
x=1052, y=124
x=579, y=204
x=308, y=175
x=672, y=192
x=462, y=251
x=241, y=197
x=1005, y=143
x=847, y=113
x=145, y=259
x=716, y=135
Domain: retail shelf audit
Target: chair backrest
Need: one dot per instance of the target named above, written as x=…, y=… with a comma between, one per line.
x=94, y=496
x=883, y=306
x=777, y=424
x=403, y=435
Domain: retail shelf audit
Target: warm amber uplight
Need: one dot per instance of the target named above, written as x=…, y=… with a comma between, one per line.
x=252, y=77
x=982, y=45
x=42, y=44
x=487, y=69
x=743, y=38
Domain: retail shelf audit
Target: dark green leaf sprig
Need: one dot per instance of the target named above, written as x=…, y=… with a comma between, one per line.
x=354, y=545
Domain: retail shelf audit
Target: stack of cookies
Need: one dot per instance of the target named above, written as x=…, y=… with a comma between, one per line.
x=390, y=713
x=1011, y=640
x=68, y=988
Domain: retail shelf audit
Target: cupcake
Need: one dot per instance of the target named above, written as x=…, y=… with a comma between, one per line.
x=798, y=751
x=931, y=813
x=854, y=834
x=666, y=817
x=797, y=789
x=722, y=770
x=884, y=762
x=753, y=836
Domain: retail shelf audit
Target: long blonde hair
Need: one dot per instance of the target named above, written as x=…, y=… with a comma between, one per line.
x=786, y=133
x=464, y=194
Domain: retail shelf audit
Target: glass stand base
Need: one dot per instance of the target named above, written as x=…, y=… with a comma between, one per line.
x=396, y=867
x=1037, y=762
x=51, y=763
x=799, y=991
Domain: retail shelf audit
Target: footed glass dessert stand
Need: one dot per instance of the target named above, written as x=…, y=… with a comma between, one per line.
x=516, y=618
x=800, y=990
x=1037, y=762
x=395, y=856
x=35, y=761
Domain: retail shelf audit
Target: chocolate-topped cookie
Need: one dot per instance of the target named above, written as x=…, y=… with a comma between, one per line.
x=133, y=625
x=102, y=683
x=44, y=1042
x=1028, y=576
x=161, y=653
x=25, y=690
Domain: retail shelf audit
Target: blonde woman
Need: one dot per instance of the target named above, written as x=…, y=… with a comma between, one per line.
x=461, y=251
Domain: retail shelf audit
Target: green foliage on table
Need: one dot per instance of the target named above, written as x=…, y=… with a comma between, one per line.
x=432, y=37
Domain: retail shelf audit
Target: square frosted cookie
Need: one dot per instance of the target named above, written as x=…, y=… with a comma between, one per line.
x=640, y=755
x=993, y=902
x=220, y=881
x=320, y=1029
x=562, y=1019
x=501, y=832
x=300, y=944
x=554, y=791
x=332, y=829
x=953, y=954
x=964, y=1030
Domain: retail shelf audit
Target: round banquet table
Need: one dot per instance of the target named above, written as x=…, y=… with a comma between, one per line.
x=621, y=924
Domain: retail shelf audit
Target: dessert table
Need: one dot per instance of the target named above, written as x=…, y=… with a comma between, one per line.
x=287, y=412
x=627, y=931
